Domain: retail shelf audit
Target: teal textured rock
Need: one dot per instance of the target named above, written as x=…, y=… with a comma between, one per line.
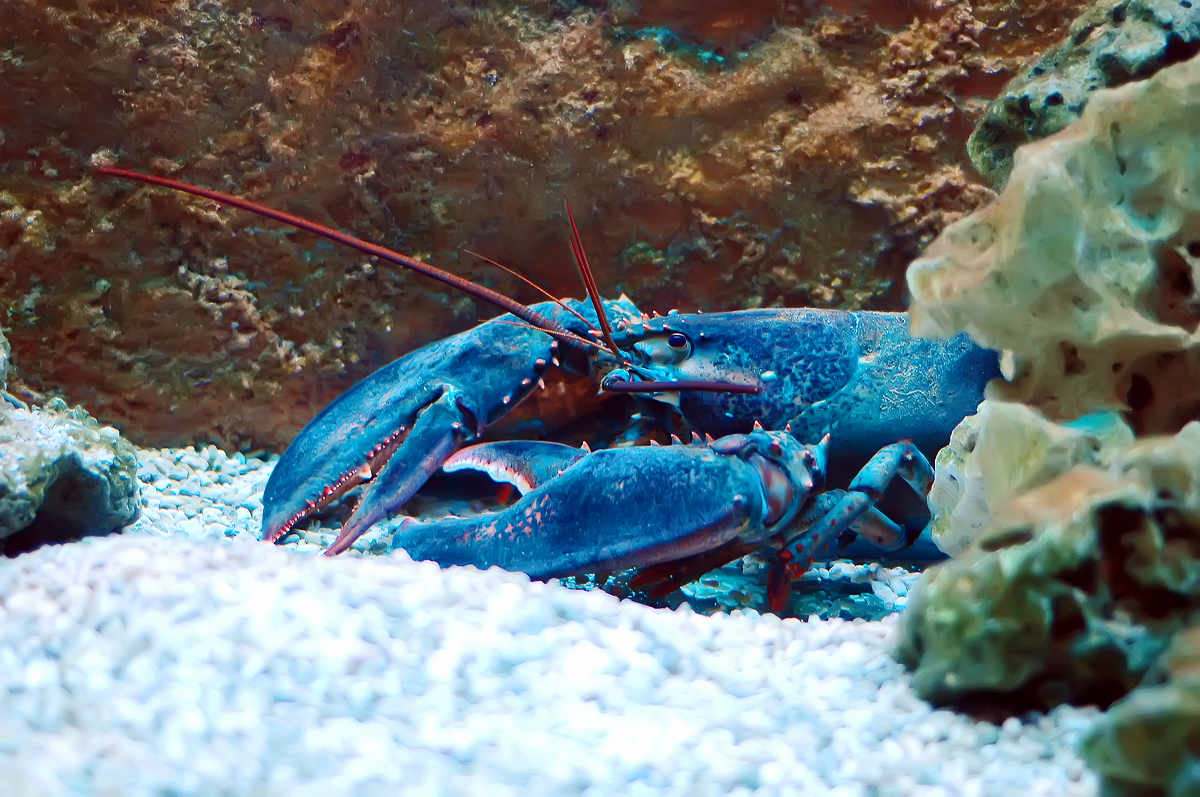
x=62, y=476
x=1115, y=42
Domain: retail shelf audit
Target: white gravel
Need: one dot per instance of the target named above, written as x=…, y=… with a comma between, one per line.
x=184, y=657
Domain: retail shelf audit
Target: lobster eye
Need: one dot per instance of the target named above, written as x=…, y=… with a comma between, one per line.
x=665, y=350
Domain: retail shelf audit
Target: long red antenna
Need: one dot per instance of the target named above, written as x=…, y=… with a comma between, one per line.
x=589, y=283
x=468, y=287
x=454, y=281
x=528, y=282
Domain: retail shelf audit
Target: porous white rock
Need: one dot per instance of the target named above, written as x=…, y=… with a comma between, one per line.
x=1004, y=450
x=1084, y=270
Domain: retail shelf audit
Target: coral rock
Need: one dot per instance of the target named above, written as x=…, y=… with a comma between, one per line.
x=62, y=476
x=1074, y=593
x=1006, y=449
x=5, y=355
x=1085, y=268
x=1147, y=740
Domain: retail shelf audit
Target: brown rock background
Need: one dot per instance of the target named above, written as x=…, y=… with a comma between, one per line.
x=757, y=153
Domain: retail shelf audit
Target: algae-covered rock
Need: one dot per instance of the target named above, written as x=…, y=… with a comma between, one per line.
x=1006, y=449
x=1073, y=594
x=62, y=476
x=1149, y=739
x=1113, y=43
x=1085, y=268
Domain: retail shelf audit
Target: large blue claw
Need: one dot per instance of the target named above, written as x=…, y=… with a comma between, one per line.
x=434, y=437
x=400, y=424
x=631, y=507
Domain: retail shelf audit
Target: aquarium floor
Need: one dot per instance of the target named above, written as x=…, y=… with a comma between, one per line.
x=183, y=657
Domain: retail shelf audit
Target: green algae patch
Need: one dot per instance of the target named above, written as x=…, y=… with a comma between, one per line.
x=1149, y=740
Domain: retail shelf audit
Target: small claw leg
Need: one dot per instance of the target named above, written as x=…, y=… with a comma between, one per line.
x=854, y=511
x=434, y=437
x=789, y=565
x=779, y=587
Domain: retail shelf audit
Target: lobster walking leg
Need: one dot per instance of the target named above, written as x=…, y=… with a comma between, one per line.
x=657, y=581
x=869, y=523
x=899, y=459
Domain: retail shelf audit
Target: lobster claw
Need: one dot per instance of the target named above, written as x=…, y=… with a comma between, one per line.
x=626, y=507
x=789, y=472
x=436, y=434
x=399, y=425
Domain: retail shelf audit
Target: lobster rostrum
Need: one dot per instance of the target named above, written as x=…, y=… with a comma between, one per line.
x=761, y=380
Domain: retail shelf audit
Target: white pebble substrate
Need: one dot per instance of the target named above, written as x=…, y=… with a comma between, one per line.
x=208, y=663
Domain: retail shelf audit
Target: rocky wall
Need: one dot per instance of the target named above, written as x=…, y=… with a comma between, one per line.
x=717, y=154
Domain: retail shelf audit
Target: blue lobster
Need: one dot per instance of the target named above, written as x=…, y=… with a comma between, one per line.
x=879, y=401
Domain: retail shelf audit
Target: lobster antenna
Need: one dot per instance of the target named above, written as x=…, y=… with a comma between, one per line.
x=496, y=299
x=530, y=283
x=589, y=283
x=480, y=292
x=563, y=335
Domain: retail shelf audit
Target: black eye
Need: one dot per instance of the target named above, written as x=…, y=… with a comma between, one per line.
x=677, y=341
